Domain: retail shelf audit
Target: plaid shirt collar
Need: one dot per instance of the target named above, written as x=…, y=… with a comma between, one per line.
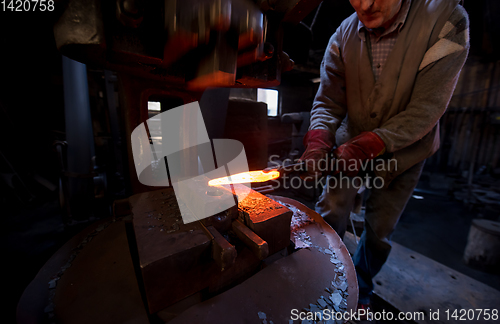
x=398, y=23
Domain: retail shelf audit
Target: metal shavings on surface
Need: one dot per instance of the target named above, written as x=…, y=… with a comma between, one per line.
x=322, y=302
x=257, y=205
x=336, y=300
x=342, y=285
x=302, y=240
x=334, y=260
x=299, y=219
x=263, y=318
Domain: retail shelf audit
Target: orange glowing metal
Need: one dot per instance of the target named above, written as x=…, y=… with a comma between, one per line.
x=246, y=177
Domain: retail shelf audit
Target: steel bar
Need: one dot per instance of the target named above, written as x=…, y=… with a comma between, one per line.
x=252, y=240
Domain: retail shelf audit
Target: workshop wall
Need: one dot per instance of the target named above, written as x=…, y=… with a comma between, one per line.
x=470, y=129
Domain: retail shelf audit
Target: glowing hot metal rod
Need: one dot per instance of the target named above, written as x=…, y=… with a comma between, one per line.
x=257, y=176
x=246, y=177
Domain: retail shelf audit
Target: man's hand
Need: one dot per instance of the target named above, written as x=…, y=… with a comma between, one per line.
x=318, y=143
x=353, y=154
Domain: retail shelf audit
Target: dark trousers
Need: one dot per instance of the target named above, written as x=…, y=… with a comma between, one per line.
x=383, y=209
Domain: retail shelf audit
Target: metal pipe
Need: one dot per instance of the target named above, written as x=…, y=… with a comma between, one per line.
x=79, y=136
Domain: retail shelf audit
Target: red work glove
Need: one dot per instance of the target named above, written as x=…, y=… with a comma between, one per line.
x=318, y=143
x=353, y=154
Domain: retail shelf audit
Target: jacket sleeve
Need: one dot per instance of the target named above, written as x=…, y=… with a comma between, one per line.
x=436, y=80
x=329, y=106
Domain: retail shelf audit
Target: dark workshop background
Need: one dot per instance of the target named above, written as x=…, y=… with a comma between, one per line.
x=460, y=182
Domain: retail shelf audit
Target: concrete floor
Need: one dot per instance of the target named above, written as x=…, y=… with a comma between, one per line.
x=435, y=226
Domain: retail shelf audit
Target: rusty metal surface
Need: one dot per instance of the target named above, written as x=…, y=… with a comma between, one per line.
x=310, y=232
x=209, y=201
x=268, y=219
x=99, y=284
x=171, y=254
x=223, y=252
x=258, y=246
x=34, y=305
x=176, y=259
x=306, y=280
x=289, y=283
x=159, y=229
x=93, y=290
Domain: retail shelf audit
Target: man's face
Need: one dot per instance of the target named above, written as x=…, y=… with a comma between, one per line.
x=376, y=13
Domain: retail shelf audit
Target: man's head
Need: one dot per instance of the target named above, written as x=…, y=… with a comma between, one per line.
x=376, y=14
